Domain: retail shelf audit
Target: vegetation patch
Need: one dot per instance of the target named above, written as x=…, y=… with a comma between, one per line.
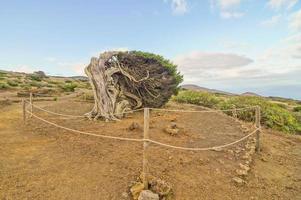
x=274, y=116
x=199, y=98
x=68, y=87
x=12, y=83
x=4, y=86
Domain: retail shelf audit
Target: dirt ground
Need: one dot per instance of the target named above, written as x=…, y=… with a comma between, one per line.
x=39, y=161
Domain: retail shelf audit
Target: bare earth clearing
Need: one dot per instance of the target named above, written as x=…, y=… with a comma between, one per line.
x=39, y=161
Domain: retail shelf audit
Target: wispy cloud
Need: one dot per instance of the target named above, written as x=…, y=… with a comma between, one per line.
x=179, y=7
x=203, y=66
x=229, y=15
x=295, y=21
x=273, y=21
x=281, y=4
x=278, y=66
x=228, y=4
x=227, y=8
x=76, y=68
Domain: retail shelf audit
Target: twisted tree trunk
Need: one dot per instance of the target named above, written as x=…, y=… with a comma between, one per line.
x=122, y=81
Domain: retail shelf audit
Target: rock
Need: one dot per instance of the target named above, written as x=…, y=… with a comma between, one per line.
x=173, y=125
x=148, y=195
x=244, y=167
x=246, y=156
x=134, y=126
x=160, y=187
x=230, y=151
x=241, y=172
x=237, y=151
x=173, y=119
x=136, y=189
x=238, y=180
x=125, y=195
x=221, y=162
x=172, y=131
x=263, y=159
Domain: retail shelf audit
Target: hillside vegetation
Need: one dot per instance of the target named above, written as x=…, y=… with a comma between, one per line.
x=274, y=115
x=39, y=83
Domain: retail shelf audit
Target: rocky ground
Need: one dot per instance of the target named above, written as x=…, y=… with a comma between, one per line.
x=39, y=161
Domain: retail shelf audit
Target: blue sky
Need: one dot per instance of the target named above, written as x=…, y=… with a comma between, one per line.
x=233, y=45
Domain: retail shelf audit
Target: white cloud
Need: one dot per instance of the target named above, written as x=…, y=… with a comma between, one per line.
x=279, y=4
x=295, y=21
x=273, y=21
x=277, y=67
x=228, y=15
x=284, y=52
x=239, y=46
x=227, y=8
x=50, y=59
x=179, y=6
x=228, y=4
x=197, y=66
x=76, y=68
x=24, y=68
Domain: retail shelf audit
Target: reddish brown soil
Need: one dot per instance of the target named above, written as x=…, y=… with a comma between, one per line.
x=39, y=161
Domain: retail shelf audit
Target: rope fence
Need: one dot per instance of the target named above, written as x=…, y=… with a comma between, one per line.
x=146, y=140
x=72, y=116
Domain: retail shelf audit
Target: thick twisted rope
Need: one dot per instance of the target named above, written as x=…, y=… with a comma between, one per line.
x=202, y=111
x=75, y=116
x=202, y=149
x=143, y=140
x=85, y=133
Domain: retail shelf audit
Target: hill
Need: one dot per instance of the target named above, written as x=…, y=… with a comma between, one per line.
x=252, y=94
x=203, y=89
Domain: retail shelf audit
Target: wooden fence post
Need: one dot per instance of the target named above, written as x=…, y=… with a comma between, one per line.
x=24, y=111
x=31, y=104
x=258, y=125
x=145, y=144
x=234, y=113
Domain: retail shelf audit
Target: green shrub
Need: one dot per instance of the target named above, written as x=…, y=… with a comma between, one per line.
x=35, y=84
x=297, y=109
x=198, y=98
x=273, y=115
x=69, y=87
x=4, y=86
x=172, y=68
x=12, y=83
x=3, y=74
x=53, y=82
x=35, y=77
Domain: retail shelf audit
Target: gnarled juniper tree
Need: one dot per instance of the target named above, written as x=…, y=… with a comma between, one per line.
x=123, y=81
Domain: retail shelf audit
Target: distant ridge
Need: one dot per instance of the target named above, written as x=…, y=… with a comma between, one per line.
x=252, y=94
x=203, y=89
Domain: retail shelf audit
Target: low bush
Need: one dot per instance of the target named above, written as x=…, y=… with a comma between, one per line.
x=297, y=109
x=4, y=86
x=35, y=77
x=198, y=98
x=12, y=83
x=68, y=87
x=3, y=74
x=273, y=115
x=36, y=84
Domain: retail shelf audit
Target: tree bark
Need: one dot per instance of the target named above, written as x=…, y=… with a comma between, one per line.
x=123, y=81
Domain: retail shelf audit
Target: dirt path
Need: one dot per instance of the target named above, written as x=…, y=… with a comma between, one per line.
x=42, y=162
